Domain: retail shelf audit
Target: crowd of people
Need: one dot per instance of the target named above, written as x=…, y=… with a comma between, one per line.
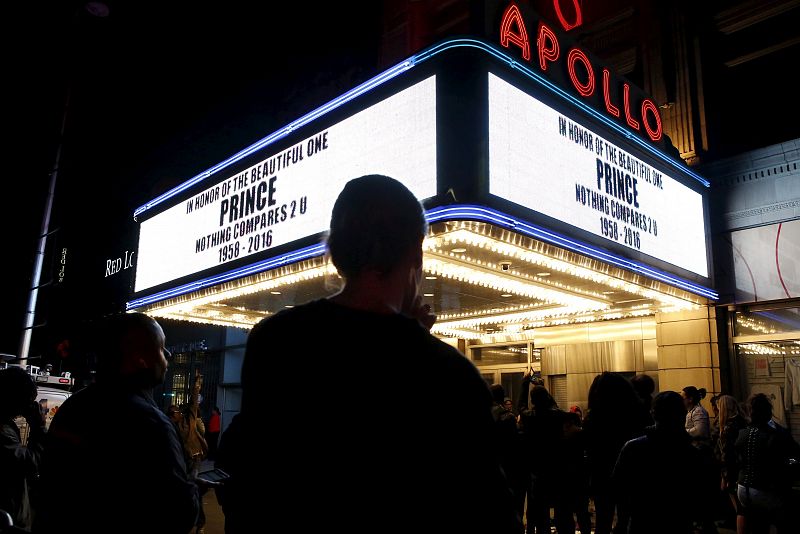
x=328, y=460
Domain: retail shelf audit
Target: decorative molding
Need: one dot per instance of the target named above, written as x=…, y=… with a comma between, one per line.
x=763, y=52
x=753, y=212
x=751, y=12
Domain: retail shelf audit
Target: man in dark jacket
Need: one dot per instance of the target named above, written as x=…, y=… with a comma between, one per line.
x=655, y=473
x=123, y=452
x=334, y=463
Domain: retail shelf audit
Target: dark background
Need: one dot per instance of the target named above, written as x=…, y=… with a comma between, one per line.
x=160, y=91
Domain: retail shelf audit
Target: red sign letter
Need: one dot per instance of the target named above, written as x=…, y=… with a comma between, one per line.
x=654, y=133
x=578, y=15
x=550, y=53
x=584, y=89
x=512, y=16
x=626, y=90
x=611, y=108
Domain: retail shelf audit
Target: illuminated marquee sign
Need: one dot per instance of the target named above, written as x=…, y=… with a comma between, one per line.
x=289, y=194
x=538, y=44
x=545, y=161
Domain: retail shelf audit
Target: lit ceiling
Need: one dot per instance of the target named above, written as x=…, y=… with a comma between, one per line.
x=481, y=281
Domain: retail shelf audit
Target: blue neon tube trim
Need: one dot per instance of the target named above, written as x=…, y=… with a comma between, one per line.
x=395, y=71
x=445, y=213
x=265, y=265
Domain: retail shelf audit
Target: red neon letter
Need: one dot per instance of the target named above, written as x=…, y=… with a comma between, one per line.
x=511, y=16
x=546, y=53
x=584, y=89
x=626, y=89
x=654, y=133
x=578, y=15
x=611, y=108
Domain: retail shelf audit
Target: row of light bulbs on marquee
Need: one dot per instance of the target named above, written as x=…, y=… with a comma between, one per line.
x=750, y=323
x=771, y=349
x=558, y=302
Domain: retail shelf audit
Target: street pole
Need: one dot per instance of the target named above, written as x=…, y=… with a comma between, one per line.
x=30, y=312
x=95, y=9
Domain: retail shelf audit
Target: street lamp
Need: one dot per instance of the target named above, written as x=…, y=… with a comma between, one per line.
x=95, y=9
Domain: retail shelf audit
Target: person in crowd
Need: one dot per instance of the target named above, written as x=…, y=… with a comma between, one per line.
x=731, y=421
x=612, y=419
x=498, y=398
x=411, y=473
x=191, y=431
x=125, y=455
x=577, y=410
x=212, y=436
x=508, y=404
x=644, y=386
x=765, y=454
x=541, y=429
x=697, y=422
x=572, y=480
x=510, y=446
x=714, y=419
x=19, y=464
x=654, y=470
x=707, y=481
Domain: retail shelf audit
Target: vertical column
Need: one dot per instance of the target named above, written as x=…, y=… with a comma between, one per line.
x=673, y=75
x=688, y=351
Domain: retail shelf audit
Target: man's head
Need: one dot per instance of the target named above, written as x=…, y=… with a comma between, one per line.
x=377, y=226
x=17, y=391
x=498, y=393
x=669, y=410
x=132, y=349
x=644, y=385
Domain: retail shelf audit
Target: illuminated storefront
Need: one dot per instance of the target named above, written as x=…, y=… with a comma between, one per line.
x=563, y=236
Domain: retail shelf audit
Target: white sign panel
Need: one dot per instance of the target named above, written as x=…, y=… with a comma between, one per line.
x=542, y=160
x=290, y=194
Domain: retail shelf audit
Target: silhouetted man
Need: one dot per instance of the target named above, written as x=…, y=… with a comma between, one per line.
x=332, y=462
x=113, y=461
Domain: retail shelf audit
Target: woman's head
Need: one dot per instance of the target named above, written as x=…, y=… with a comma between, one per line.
x=692, y=396
x=375, y=223
x=760, y=409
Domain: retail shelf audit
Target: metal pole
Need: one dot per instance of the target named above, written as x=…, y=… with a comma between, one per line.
x=30, y=313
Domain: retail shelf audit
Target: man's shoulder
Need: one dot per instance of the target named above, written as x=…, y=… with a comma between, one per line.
x=291, y=317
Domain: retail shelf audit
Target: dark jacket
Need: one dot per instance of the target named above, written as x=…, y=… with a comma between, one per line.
x=763, y=453
x=651, y=479
x=365, y=442
x=19, y=466
x=113, y=463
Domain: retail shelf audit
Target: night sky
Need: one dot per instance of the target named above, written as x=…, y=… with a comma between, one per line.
x=160, y=92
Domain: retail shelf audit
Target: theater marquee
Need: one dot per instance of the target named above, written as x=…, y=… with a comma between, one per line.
x=290, y=193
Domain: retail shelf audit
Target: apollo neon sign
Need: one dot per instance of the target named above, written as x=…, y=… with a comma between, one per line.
x=583, y=75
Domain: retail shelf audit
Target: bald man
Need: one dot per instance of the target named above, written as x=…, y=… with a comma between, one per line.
x=113, y=461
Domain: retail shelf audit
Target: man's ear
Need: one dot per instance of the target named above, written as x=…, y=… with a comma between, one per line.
x=142, y=363
x=418, y=255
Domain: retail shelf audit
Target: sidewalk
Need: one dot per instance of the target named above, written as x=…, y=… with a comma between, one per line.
x=215, y=520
